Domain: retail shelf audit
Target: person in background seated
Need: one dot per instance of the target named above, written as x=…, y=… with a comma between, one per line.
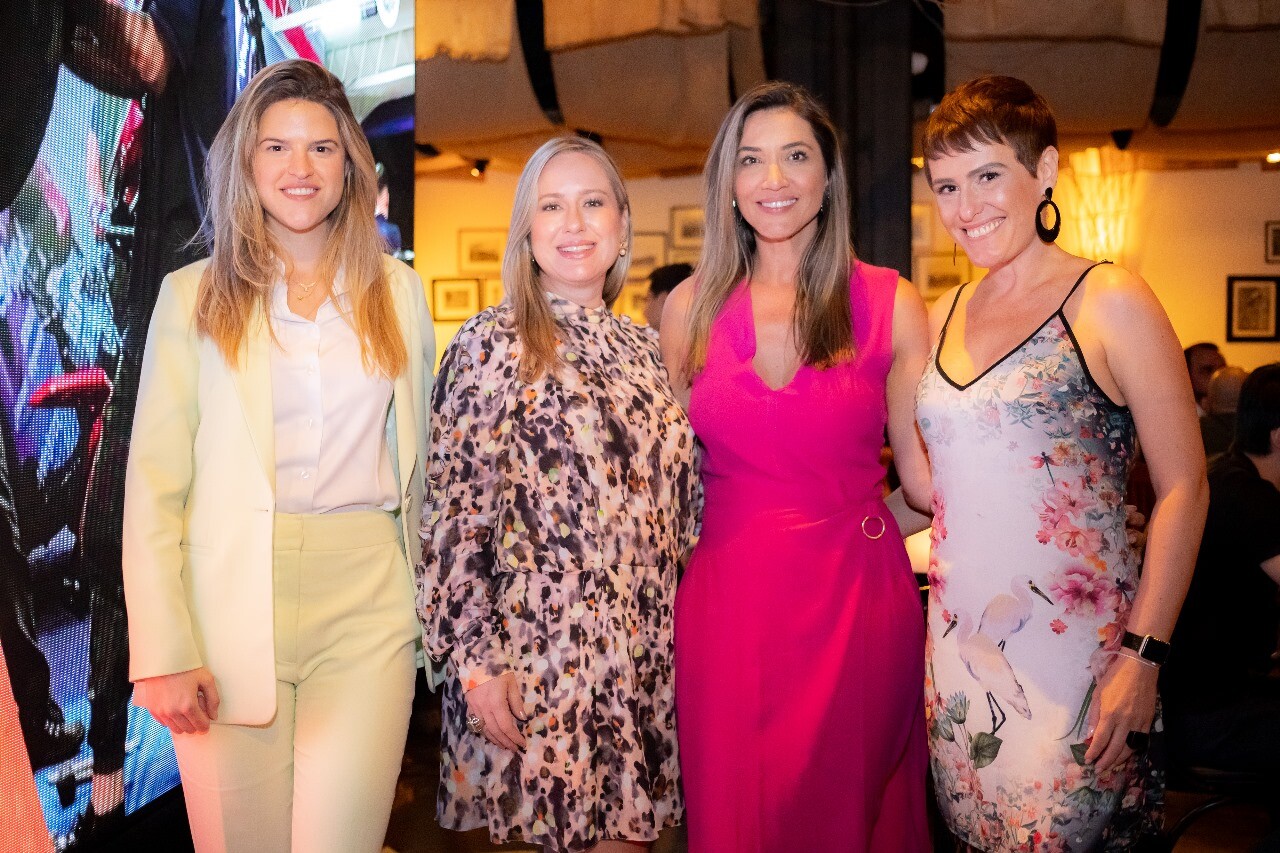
x=1218, y=423
x=1221, y=706
x=662, y=281
x=1203, y=360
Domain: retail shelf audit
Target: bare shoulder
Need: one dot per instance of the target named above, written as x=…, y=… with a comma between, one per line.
x=1115, y=297
x=940, y=308
x=679, y=302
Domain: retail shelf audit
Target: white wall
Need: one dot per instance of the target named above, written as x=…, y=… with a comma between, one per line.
x=441, y=207
x=1192, y=230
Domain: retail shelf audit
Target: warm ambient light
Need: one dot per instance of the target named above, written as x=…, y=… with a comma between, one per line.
x=1273, y=157
x=918, y=162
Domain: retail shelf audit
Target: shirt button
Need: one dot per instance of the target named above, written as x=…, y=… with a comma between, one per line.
x=311, y=422
x=306, y=475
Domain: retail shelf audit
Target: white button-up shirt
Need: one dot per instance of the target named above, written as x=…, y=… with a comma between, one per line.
x=330, y=415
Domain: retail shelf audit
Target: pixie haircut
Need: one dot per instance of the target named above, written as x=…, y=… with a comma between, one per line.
x=1258, y=412
x=993, y=110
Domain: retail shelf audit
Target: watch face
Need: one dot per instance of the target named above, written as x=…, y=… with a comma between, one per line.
x=1154, y=650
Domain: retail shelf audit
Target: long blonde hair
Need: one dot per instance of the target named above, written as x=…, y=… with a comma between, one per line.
x=535, y=324
x=822, y=314
x=246, y=257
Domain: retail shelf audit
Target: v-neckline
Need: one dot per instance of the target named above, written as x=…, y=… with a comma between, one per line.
x=946, y=327
x=755, y=347
x=942, y=340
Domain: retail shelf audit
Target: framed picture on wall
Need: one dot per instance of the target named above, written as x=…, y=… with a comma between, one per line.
x=648, y=252
x=1272, y=234
x=1252, y=303
x=631, y=300
x=921, y=227
x=681, y=255
x=687, y=227
x=937, y=273
x=493, y=293
x=480, y=251
x=454, y=298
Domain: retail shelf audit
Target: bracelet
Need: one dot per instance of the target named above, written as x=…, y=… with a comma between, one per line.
x=1131, y=655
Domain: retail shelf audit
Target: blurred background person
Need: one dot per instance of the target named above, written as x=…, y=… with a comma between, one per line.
x=1203, y=360
x=389, y=230
x=1218, y=423
x=562, y=496
x=1222, y=699
x=1044, y=639
x=662, y=281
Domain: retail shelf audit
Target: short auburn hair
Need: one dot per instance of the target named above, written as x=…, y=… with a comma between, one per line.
x=991, y=109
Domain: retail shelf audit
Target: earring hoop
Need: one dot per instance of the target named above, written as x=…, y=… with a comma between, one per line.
x=1048, y=233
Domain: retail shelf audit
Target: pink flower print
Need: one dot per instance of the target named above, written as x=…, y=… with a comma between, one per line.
x=1084, y=593
x=1058, y=626
x=1078, y=542
x=990, y=417
x=1065, y=500
x=937, y=580
x=939, y=530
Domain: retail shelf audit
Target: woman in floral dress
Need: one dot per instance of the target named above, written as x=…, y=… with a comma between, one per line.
x=562, y=495
x=1044, y=638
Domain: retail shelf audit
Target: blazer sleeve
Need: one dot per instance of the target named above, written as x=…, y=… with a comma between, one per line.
x=457, y=579
x=157, y=481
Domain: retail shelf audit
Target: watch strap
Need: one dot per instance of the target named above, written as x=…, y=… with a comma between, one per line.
x=1148, y=647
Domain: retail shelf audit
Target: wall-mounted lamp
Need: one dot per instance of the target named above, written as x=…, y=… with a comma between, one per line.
x=477, y=171
x=1273, y=157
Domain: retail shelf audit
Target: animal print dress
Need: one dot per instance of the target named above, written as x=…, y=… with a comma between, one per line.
x=1031, y=579
x=557, y=514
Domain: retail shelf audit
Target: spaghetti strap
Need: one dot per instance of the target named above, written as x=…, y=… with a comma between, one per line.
x=1074, y=287
x=946, y=324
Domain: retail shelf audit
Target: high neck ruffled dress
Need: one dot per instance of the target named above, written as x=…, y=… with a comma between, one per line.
x=558, y=511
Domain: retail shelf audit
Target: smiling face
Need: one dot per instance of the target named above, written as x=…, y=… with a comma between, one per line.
x=299, y=166
x=780, y=176
x=987, y=200
x=578, y=227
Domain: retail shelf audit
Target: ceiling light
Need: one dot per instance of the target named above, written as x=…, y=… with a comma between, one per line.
x=477, y=171
x=1273, y=157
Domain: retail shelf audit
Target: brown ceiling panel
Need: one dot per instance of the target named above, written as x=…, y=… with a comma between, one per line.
x=1235, y=83
x=667, y=90
x=461, y=100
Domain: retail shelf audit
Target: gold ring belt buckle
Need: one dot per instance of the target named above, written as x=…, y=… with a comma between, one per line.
x=867, y=533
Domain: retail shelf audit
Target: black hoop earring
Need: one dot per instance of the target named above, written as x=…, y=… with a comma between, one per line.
x=1048, y=234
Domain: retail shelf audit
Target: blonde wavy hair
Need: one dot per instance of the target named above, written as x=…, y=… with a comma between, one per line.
x=534, y=323
x=245, y=257
x=822, y=314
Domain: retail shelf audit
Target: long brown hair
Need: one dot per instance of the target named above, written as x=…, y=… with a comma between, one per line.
x=822, y=315
x=535, y=324
x=246, y=257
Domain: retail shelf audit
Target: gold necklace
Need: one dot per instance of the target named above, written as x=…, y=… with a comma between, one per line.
x=305, y=288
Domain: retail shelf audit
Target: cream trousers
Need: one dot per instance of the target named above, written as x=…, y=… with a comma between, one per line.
x=321, y=776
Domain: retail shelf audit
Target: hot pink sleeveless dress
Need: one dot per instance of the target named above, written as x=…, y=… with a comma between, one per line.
x=799, y=633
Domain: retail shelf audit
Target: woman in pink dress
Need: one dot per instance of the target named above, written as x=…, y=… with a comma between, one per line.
x=799, y=637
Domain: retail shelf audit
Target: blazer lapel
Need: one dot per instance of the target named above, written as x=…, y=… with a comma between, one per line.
x=253, y=385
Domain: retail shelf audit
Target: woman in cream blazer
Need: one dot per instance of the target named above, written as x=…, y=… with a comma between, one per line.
x=274, y=484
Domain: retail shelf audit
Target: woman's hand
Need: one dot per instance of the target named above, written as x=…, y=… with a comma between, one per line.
x=182, y=702
x=1125, y=701
x=498, y=704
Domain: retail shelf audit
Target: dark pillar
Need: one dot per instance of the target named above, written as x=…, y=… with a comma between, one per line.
x=857, y=59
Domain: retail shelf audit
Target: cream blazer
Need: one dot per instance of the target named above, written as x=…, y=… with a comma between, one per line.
x=199, y=503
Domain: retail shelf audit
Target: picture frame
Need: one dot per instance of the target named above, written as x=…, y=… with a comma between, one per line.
x=1253, y=308
x=937, y=272
x=688, y=224
x=648, y=252
x=684, y=255
x=921, y=227
x=1271, y=234
x=480, y=251
x=493, y=292
x=631, y=301
x=455, y=298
